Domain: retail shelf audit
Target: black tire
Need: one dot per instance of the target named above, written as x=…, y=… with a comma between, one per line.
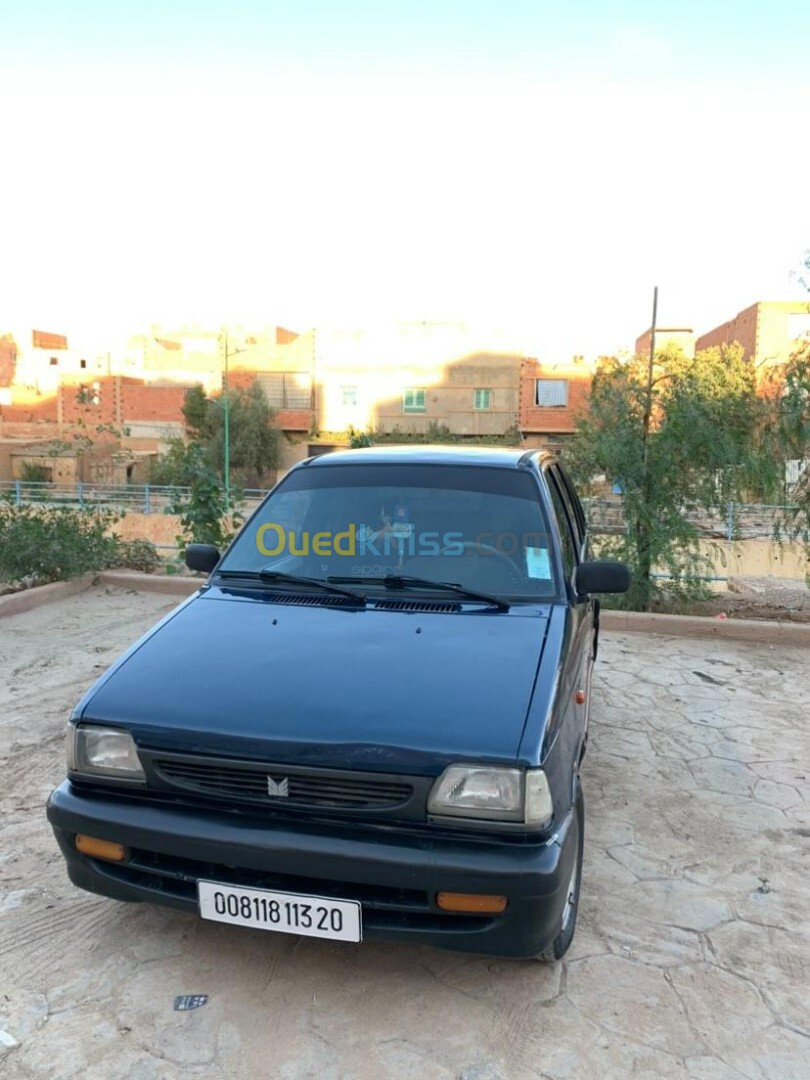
x=562, y=942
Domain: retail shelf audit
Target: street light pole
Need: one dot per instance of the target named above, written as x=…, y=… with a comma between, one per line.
x=226, y=409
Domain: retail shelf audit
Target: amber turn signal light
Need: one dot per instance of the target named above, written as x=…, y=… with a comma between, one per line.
x=100, y=849
x=471, y=902
x=579, y=697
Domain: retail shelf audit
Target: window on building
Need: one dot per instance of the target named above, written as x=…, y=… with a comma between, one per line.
x=551, y=392
x=54, y=361
x=348, y=395
x=414, y=400
x=482, y=399
x=82, y=363
x=287, y=389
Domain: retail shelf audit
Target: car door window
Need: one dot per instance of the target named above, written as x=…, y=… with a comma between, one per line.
x=570, y=511
x=566, y=535
x=579, y=519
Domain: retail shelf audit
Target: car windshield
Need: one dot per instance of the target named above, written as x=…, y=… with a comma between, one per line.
x=480, y=527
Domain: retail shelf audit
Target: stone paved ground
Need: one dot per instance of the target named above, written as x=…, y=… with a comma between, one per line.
x=692, y=957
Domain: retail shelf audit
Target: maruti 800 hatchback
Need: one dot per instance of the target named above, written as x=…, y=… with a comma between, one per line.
x=368, y=724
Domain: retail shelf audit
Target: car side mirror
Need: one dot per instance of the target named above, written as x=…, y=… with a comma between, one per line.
x=601, y=577
x=202, y=557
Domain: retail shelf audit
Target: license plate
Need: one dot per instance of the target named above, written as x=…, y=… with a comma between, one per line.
x=287, y=913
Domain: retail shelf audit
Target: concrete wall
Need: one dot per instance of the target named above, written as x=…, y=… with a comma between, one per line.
x=62, y=470
x=742, y=328
x=757, y=558
x=764, y=330
x=775, y=342
x=684, y=338
x=293, y=450
x=161, y=529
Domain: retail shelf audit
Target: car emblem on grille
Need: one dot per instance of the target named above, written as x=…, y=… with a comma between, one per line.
x=278, y=790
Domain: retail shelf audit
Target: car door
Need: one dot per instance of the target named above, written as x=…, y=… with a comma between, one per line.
x=580, y=622
x=580, y=523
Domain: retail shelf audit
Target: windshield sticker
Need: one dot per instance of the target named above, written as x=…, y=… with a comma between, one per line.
x=538, y=564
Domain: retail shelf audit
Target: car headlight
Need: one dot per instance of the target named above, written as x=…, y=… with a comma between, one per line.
x=100, y=751
x=490, y=793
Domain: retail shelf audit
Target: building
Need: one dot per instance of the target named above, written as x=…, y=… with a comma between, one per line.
x=683, y=337
x=769, y=331
x=406, y=380
x=412, y=377
x=403, y=379
x=44, y=358
x=8, y=360
x=551, y=398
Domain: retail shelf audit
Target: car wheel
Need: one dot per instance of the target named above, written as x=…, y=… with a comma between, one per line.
x=561, y=943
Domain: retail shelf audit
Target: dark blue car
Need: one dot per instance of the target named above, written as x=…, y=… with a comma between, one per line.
x=369, y=722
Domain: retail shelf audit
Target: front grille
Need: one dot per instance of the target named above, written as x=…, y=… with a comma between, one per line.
x=296, y=789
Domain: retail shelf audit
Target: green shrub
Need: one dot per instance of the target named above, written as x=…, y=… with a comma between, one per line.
x=136, y=555
x=31, y=473
x=204, y=513
x=40, y=544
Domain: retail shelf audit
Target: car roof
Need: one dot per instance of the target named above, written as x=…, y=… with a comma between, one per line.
x=504, y=458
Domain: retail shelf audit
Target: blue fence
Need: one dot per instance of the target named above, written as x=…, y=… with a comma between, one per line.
x=138, y=498
x=741, y=521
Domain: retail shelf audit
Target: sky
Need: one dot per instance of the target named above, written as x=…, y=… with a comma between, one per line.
x=529, y=167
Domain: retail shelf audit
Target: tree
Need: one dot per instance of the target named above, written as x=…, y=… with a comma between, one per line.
x=802, y=272
x=786, y=437
x=197, y=412
x=174, y=468
x=255, y=440
x=203, y=511
x=684, y=441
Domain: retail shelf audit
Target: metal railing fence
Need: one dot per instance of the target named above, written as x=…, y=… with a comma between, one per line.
x=740, y=521
x=137, y=498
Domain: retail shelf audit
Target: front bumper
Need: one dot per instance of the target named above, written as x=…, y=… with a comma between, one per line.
x=395, y=875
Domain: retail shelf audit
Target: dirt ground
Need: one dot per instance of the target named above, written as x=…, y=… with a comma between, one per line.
x=774, y=599
x=692, y=957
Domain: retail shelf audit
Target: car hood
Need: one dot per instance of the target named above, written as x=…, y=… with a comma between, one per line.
x=241, y=675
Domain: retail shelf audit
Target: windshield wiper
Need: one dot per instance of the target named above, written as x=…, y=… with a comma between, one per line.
x=270, y=577
x=407, y=581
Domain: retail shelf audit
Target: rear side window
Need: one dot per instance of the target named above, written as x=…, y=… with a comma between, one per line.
x=577, y=526
x=566, y=535
x=579, y=519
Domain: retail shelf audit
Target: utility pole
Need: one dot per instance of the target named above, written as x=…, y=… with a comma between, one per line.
x=644, y=525
x=653, y=327
x=226, y=407
x=650, y=367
